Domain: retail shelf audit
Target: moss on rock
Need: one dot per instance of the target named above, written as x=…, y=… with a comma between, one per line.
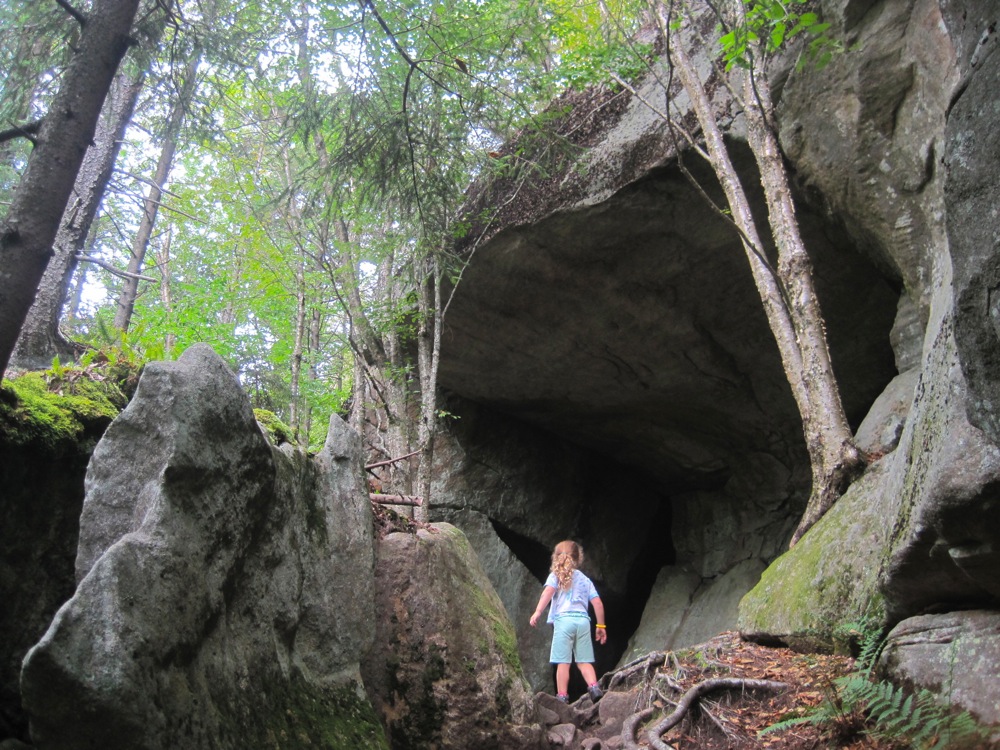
x=277, y=431
x=332, y=719
x=814, y=595
x=50, y=413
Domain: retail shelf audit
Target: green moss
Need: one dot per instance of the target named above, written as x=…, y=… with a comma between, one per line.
x=277, y=431
x=504, y=636
x=53, y=411
x=302, y=716
x=810, y=596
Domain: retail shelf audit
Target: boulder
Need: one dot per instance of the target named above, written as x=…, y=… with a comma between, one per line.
x=443, y=670
x=817, y=593
x=955, y=655
x=226, y=587
x=713, y=608
x=684, y=610
x=517, y=588
x=664, y=612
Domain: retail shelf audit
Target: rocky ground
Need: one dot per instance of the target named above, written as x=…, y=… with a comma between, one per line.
x=722, y=719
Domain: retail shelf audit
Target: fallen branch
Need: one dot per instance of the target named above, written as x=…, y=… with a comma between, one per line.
x=703, y=688
x=390, y=461
x=396, y=499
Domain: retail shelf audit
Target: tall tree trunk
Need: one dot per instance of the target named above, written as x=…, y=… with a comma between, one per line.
x=75, y=299
x=40, y=339
x=130, y=286
x=315, y=331
x=787, y=292
x=835, y=459
x=27, y=234
x=428, y=357
x=163, y=261
x=297, y=349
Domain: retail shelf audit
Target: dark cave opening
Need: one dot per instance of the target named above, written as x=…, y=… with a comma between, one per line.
x=533, y=554
x=623, y=609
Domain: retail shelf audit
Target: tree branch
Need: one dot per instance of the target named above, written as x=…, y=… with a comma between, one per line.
x=390, y=461
x=112, y=269
x=21, y=131
x=396, y=499
x=77, y=15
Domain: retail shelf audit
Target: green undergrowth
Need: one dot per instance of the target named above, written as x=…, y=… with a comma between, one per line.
x=64, y=405
x=860, y=703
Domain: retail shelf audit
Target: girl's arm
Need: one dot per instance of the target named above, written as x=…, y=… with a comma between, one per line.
x=543, y=602
x=601, y=633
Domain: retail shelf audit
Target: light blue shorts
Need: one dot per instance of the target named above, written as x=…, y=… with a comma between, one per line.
x=571, y=640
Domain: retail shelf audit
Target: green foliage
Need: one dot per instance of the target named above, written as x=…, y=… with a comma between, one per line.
x=768, y=24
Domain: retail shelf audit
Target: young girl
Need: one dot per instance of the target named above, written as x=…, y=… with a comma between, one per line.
x=570, y=592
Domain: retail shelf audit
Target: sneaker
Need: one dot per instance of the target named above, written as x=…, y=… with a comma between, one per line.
x=562, y=698
x=595, y=692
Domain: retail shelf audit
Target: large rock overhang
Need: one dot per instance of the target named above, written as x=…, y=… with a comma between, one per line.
x=631, y=326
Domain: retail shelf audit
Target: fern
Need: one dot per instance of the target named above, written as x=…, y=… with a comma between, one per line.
x=917, y=719
x=794, y=721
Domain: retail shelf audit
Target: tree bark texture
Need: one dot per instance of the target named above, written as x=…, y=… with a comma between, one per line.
x=40, y=340
x=27, y=234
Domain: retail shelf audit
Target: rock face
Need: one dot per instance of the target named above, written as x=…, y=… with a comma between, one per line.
x=927, y=517
x=611, y=318
x=443, y=670
x=955, y=655
x=225, y=588
x=41, y=510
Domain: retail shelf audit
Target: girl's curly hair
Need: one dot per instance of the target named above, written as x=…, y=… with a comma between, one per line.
x=566, y=557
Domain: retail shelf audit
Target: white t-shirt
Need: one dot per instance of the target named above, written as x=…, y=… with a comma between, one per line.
x=575, y=601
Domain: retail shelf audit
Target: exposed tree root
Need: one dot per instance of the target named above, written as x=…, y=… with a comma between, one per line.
x=684, y=705
x=645, y=665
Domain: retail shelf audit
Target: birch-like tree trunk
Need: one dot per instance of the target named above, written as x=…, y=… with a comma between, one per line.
x=787, y=292
x=835, y=459
x=428, y=360
x=30, y=228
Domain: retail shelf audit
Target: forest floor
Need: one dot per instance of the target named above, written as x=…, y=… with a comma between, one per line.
x=733, y=720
